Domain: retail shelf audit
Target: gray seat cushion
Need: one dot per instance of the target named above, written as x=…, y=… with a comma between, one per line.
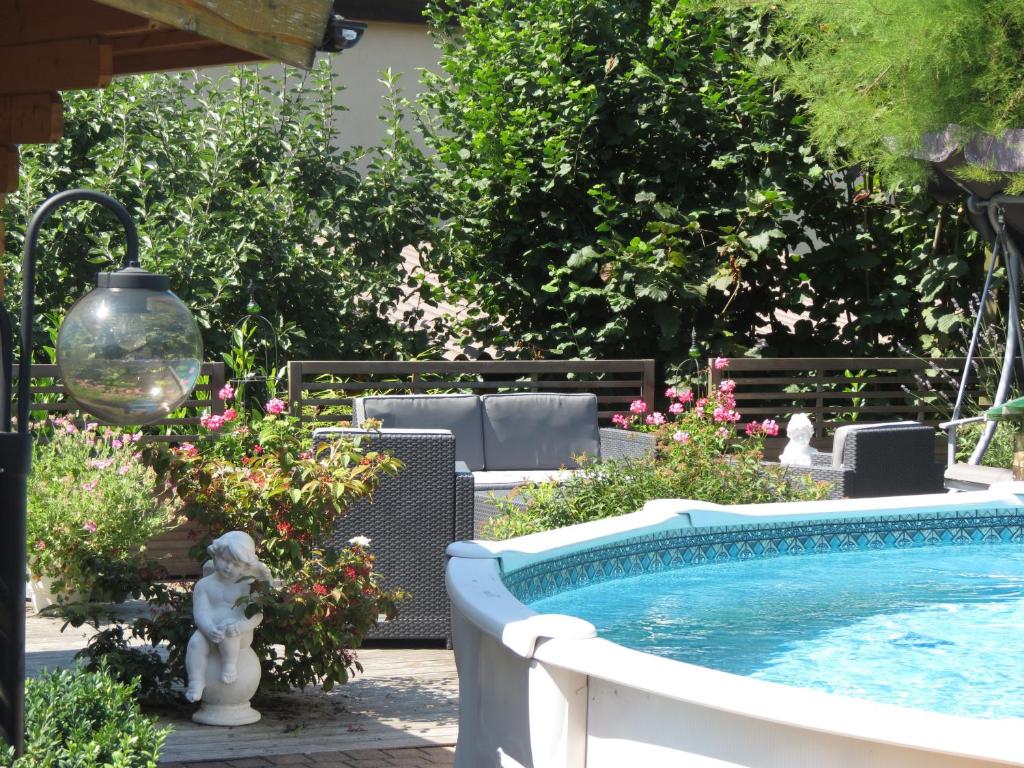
x=539, y=430
x=458, y=413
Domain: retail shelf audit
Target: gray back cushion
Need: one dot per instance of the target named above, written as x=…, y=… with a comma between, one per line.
x=458, y=413
x=539, y=430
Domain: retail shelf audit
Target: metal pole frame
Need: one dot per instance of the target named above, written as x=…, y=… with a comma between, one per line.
x=15, y=463
x=1005, y=246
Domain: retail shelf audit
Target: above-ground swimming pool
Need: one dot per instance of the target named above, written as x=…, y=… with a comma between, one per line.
x=690, y=634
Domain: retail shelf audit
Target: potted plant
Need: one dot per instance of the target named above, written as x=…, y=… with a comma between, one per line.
x=92, y=505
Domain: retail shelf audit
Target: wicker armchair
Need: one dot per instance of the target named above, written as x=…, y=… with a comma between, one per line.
x=879, y=460
x=411, y=519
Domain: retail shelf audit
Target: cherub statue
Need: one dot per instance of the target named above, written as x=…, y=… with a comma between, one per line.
x=218, y=607
x=798, y=450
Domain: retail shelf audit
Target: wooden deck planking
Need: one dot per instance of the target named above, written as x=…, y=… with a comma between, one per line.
x=407, y=697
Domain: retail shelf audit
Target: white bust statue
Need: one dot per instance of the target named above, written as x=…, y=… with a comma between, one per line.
x=223, y=670
x=798, y=450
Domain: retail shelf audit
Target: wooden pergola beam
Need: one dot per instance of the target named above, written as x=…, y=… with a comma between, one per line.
x=38, y=21
x=287, y=31
x=165, y=50
x=8, y=169
x=32, y=119
x=65, y=65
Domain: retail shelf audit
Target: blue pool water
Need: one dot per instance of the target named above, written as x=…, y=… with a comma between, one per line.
x=936, y=628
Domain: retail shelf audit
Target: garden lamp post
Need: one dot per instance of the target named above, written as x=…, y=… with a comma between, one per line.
x=128, y=352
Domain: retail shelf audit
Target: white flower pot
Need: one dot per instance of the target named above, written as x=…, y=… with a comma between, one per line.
x=43, y=595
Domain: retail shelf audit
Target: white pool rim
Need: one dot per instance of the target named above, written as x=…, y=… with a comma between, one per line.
x=535, y=689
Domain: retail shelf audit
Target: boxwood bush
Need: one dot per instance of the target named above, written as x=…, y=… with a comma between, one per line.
x=76, y=719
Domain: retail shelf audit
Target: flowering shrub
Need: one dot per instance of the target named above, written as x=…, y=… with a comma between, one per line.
x=91, y=504
x=699, y=456
x=261, y=476
x=77, y=718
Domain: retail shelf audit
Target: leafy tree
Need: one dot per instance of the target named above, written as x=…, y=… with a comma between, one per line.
x=614, y=173
x=878, y=76
x=231, y=182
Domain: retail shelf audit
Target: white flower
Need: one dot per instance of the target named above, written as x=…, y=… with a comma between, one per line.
x=359, y=541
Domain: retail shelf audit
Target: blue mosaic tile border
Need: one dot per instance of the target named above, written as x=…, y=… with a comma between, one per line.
x=667, y=550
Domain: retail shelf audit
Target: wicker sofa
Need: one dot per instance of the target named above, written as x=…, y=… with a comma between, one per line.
x=508, y=440
x=893, y=459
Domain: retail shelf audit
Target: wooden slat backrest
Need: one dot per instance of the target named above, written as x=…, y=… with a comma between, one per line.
x=322, y=391
x=50, y=396
x=836, y=391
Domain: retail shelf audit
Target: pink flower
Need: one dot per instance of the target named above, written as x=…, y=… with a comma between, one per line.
x=211, y=422
x=671, y=393
x=274, y=406
x=306, y=454
x=226, y=392
x=681, y=437
x=723, y=432
x=701, y=402
x=91, y=426
x=90, y=485
x=188, y=449
x=727, y=399
x=136, y=437
x=257, y=449
x=770, y=427
x=638, y=406
x=230, y=414
x=655, y=419
x=676, y=408
x=686, y=396
x=727, y=385
x=721, y=363
x=722, y=414
x=123, y=470
x=117, y=443
x=620, y=421
x=100, y=463
x=753, y=428
x=40, y=545
x=89, y=526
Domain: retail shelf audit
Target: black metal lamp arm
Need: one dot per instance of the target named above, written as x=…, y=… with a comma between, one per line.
x=28, y=273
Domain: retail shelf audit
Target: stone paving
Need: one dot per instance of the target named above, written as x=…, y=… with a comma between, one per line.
x=402, y=711
x=410, y=757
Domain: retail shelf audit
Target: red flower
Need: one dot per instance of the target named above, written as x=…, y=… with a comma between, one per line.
x=283, y=529
x=320, y=589
x=350, y=572
x=295, y=589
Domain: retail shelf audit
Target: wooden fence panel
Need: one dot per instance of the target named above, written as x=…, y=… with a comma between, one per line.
x=49, y=395
x=836, y=391
x=322, y=391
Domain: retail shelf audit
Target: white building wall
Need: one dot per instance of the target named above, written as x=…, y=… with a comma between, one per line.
x=406, y=49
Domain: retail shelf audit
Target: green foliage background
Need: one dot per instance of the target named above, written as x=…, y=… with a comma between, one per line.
x=602, y=178
x=231, y=182
x=615, y=173
x=877, y=75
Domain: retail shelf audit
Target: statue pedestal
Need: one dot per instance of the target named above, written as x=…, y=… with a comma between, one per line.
x=228, y=703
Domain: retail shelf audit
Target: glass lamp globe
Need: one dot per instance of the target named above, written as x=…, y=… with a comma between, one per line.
x=129, y=351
